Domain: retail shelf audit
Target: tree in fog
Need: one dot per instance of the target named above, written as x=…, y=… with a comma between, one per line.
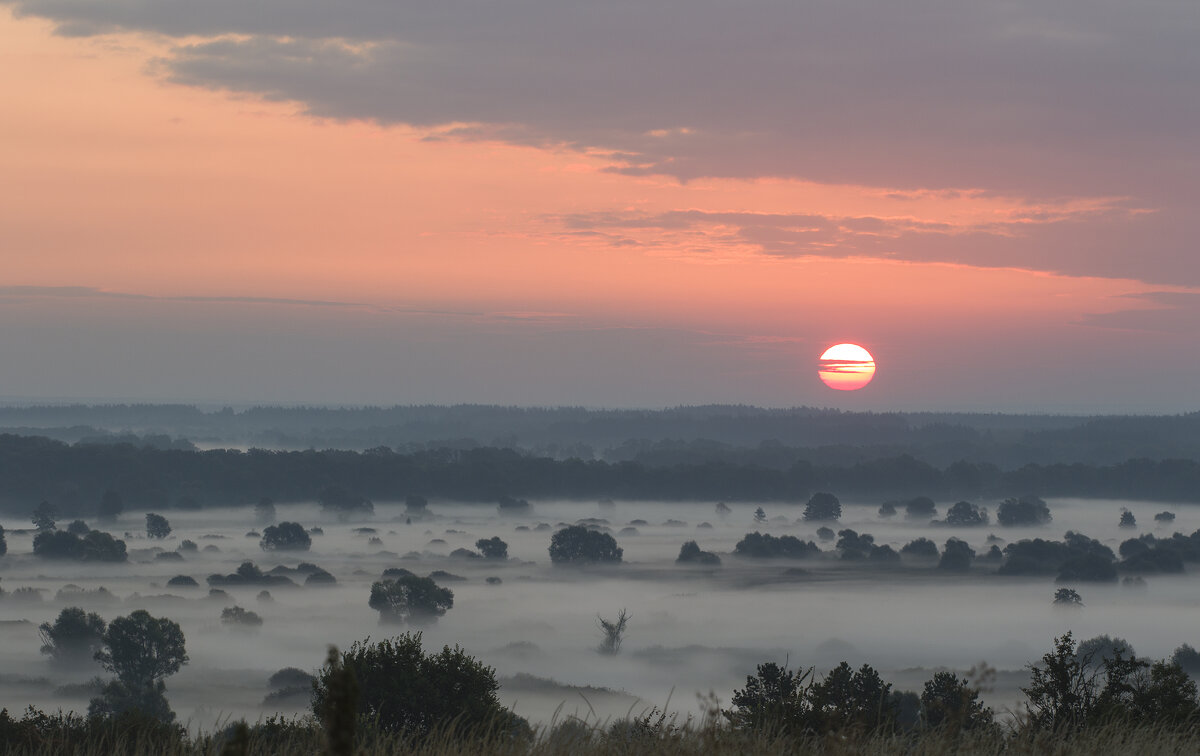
x=1067, y=597
x=93, y=547
x=1094, y=651
x=920, y=548
x=78, y=527
x=760, y=515
x=44, y=516
x=416, y=505
x=1127, y=519
x=576, y=544
x=1164, y=517
x=74, y=637
x=264, y=511
x=492, y=548
x=1027, y=510
x=1187, y=658
x=822, y=507
x=849, y=699
x=343, y=503
x=965, y=513
x=286, y=536
x=920, y=508
x=157, y=526
x=774, y=700
x=956, y=556
x=691, y=553
x=887, y=509
x=236, y=616
x=401, y=689
x=111, y=505
x=952, y=703
x=140, y=650
x=613, y=633
x=412, y=599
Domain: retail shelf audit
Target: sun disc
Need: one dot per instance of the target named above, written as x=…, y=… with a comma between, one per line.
x=846, y=367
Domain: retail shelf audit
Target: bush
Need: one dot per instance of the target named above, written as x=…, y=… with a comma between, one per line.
x=951, y=703
x=418, y=600
x=822, y=507
x=576, y=544
x=403, y=690
x=286, y=536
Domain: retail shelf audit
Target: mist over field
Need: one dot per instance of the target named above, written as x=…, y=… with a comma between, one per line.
x=693, y=629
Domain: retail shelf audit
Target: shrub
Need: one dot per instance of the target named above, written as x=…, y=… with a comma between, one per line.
x=401, y=689
x=576, y=544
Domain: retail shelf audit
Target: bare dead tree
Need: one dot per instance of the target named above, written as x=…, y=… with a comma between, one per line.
x=614, y=633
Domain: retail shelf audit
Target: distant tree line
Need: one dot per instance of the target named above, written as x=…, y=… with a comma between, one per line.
x=93, y=479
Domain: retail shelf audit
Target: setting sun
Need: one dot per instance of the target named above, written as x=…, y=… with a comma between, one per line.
x=846, y=367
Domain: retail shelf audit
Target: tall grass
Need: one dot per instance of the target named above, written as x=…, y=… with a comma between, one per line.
x=645, y=736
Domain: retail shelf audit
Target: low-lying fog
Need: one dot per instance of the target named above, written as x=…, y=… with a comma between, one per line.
x=691, y=630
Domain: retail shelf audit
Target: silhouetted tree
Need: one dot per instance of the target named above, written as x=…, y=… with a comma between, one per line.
x=887, y=509
x=690, y=553
x=964, y=513
x=956, y=556
x=920, y=508
x=417, y=600
x=94, y=547
x=237, y=616
x=774, y=700
x=760, y=515
x=141, y=650
x=1127, y=519
x=78, y=527
x=1164, y=517
x=767, y=546
x=1027, y=510
x=44, y=516
x=286, y=536
x=846, y=699
x=921, y=548
x=822, y=507
x=401, y=689
x=74, y=637
x=157, y=526
x=614, y=633
x=1067, y=597
x=952, y=703
x=576, y=544
x=492, y=548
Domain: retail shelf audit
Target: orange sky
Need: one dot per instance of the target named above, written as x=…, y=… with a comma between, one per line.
x=118, y=181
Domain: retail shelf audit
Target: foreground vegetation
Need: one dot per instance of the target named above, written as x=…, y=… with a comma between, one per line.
x=391, y=697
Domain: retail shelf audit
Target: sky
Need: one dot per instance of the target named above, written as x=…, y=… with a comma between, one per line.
x=547, y=202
